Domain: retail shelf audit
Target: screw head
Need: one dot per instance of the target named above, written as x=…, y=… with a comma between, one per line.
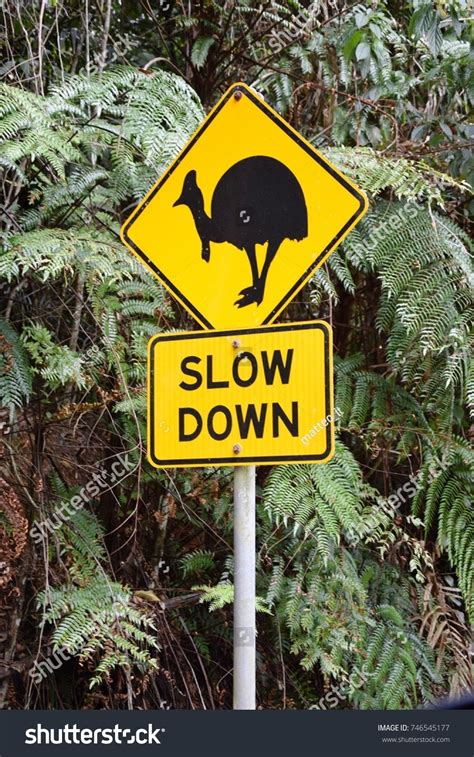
x=237, y=95
x=236, y=449
x=236, y=343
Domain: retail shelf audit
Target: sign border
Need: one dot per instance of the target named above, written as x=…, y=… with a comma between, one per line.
x=305, y=145
x=323, y=457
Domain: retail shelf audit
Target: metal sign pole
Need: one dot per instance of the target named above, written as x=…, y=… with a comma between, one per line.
x=244, y=588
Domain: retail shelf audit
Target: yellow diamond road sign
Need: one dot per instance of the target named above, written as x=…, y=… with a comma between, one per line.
x=244, y=216
x=240, y=397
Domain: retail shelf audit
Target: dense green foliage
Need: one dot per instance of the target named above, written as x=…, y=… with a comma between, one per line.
x=364, y=563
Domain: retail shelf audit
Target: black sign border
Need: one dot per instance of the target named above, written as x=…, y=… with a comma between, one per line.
x=296, y=138
x=237, y=460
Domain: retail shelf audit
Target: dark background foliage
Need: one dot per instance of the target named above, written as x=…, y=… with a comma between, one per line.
x=135, y=587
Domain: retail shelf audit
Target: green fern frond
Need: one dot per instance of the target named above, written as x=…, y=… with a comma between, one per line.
x=15, y=370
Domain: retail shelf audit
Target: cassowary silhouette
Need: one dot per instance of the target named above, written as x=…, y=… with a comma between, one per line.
x=257, y=200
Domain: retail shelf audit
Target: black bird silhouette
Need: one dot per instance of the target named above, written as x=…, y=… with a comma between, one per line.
x=257, y=200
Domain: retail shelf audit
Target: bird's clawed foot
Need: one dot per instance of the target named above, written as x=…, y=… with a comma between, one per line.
x=248, y=296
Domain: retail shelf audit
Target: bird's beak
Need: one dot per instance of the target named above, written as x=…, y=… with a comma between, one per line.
x=179, y=201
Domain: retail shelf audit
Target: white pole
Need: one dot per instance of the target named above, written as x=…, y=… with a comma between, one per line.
x=244, y=588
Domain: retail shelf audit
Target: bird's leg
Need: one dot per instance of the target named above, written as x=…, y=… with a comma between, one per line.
x=252, y=256
x=250, y=294
x=272, y=250
x=206, y=251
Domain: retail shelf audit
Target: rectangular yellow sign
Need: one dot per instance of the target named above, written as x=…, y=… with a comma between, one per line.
x=241, y=397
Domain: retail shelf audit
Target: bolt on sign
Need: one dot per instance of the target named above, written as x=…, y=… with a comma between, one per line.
x=244, y=216
x=241, y=397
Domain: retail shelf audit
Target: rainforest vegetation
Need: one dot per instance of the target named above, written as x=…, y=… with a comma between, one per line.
x=126, y=601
